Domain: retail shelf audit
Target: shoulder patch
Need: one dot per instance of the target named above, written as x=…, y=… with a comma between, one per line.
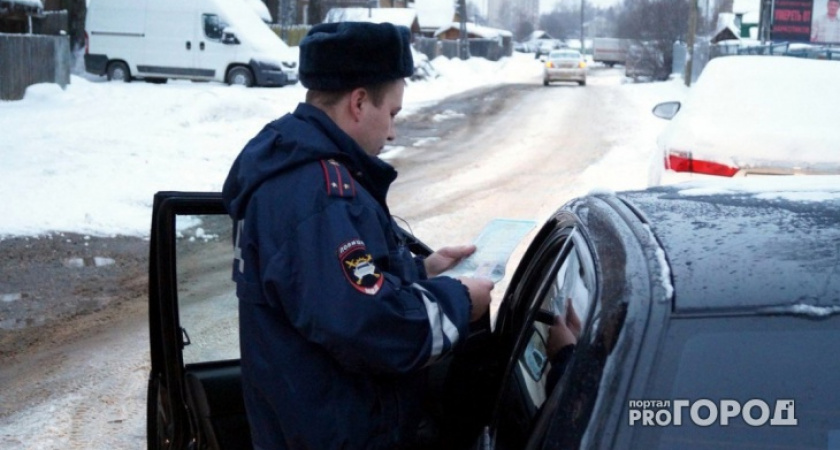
x=338, y=179
x=358, y=267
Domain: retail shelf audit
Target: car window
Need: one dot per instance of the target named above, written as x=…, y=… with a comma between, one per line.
x=565, y=55
x=563, y=274
x=207, y=303
x=740, y=359
x=570, y=407
x=213, y=26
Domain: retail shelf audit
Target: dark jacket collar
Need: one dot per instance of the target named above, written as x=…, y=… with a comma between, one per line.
x=372, y=173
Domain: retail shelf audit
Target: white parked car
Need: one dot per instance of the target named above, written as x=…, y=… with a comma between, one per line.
x=752, y=116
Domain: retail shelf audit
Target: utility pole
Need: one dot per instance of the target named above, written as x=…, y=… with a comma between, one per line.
x=582, y=35
x=692, y=30
x=463, y=43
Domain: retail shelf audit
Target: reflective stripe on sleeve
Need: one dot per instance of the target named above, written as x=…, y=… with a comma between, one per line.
x=441, y=326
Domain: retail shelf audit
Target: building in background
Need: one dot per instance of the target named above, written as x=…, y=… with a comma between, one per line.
x=434, y=14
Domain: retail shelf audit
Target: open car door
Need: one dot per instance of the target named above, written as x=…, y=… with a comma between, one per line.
x=194, y=393
x=195, y=396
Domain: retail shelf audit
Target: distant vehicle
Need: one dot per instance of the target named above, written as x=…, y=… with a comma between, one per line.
x=543, y=47
x=564, y=65
x=204, y=40
x=710, y=317
x=752, y=116
x=610, y=51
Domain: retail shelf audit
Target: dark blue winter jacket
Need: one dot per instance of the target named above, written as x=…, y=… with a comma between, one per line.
x=337, y=317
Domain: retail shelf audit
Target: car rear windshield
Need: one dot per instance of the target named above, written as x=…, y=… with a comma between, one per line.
x=790, y=364
x=565, y=55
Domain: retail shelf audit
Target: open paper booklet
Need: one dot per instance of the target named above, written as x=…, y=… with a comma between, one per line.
x=493, y=245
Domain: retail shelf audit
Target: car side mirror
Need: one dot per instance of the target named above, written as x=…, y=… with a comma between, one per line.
x=228, y=37
x=667, y=110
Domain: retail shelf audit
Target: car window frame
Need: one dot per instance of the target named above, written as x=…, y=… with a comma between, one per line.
x=168, y=421
x=559, y=238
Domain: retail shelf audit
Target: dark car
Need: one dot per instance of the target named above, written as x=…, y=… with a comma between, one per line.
x=711, y=319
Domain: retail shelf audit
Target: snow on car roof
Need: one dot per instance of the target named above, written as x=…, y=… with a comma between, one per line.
x=760, y=107
x=812, y=188
x=747, y=242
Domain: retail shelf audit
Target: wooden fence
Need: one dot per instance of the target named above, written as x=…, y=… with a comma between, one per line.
x=292, y=34
x=27, y=59
x=492, y=49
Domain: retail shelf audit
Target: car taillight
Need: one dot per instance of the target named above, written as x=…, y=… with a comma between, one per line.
x=87, y=43
x=683, y=162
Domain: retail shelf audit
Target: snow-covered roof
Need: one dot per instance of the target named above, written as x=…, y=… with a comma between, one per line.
x=21, y=5
x=751, y=17
x=538, y=34
x=746, y=6
x=433, y=14
x=726, y=23
x=32, y=3
x=476, y=30
x=397, y=16
x=749, y=9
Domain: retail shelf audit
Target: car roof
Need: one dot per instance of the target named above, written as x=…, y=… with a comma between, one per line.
x=564, y=52
x=734, y=245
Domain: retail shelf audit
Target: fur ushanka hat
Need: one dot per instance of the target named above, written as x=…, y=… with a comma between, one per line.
x=347, y=55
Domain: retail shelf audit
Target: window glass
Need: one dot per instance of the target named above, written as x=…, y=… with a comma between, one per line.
x=207, y=303
x=213, y=27
x=766, y=358
x=573, y=399
x=563, y=277
x=569, y=286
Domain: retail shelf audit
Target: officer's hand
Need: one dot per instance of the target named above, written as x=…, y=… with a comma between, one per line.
x=479, y=295
x=443, y=259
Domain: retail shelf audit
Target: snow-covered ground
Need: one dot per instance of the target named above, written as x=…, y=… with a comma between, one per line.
x=89, y=159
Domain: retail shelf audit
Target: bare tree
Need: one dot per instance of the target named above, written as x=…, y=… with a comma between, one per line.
x=523, y=30
x=563, y=22
x=655, y=25
x=474, y=13
x=76, y=11
x=315, y=12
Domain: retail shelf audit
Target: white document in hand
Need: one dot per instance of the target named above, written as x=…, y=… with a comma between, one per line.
x=494, y=246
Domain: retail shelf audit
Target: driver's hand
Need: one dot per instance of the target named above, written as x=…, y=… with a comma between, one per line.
x=563, y=332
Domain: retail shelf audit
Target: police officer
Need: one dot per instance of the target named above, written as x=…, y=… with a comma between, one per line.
x=338, y=319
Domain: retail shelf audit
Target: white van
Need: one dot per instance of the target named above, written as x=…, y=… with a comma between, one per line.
x=221, y=40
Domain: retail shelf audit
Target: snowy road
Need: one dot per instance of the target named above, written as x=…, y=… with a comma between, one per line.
x=534, y=149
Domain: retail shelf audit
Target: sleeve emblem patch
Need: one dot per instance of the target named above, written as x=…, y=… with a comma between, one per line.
x=358, y=267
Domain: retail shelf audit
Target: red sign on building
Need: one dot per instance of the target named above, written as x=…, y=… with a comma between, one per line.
x=792, y=20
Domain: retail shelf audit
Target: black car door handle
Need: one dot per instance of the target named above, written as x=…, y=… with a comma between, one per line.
x=201, y=46
x=189, y=45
